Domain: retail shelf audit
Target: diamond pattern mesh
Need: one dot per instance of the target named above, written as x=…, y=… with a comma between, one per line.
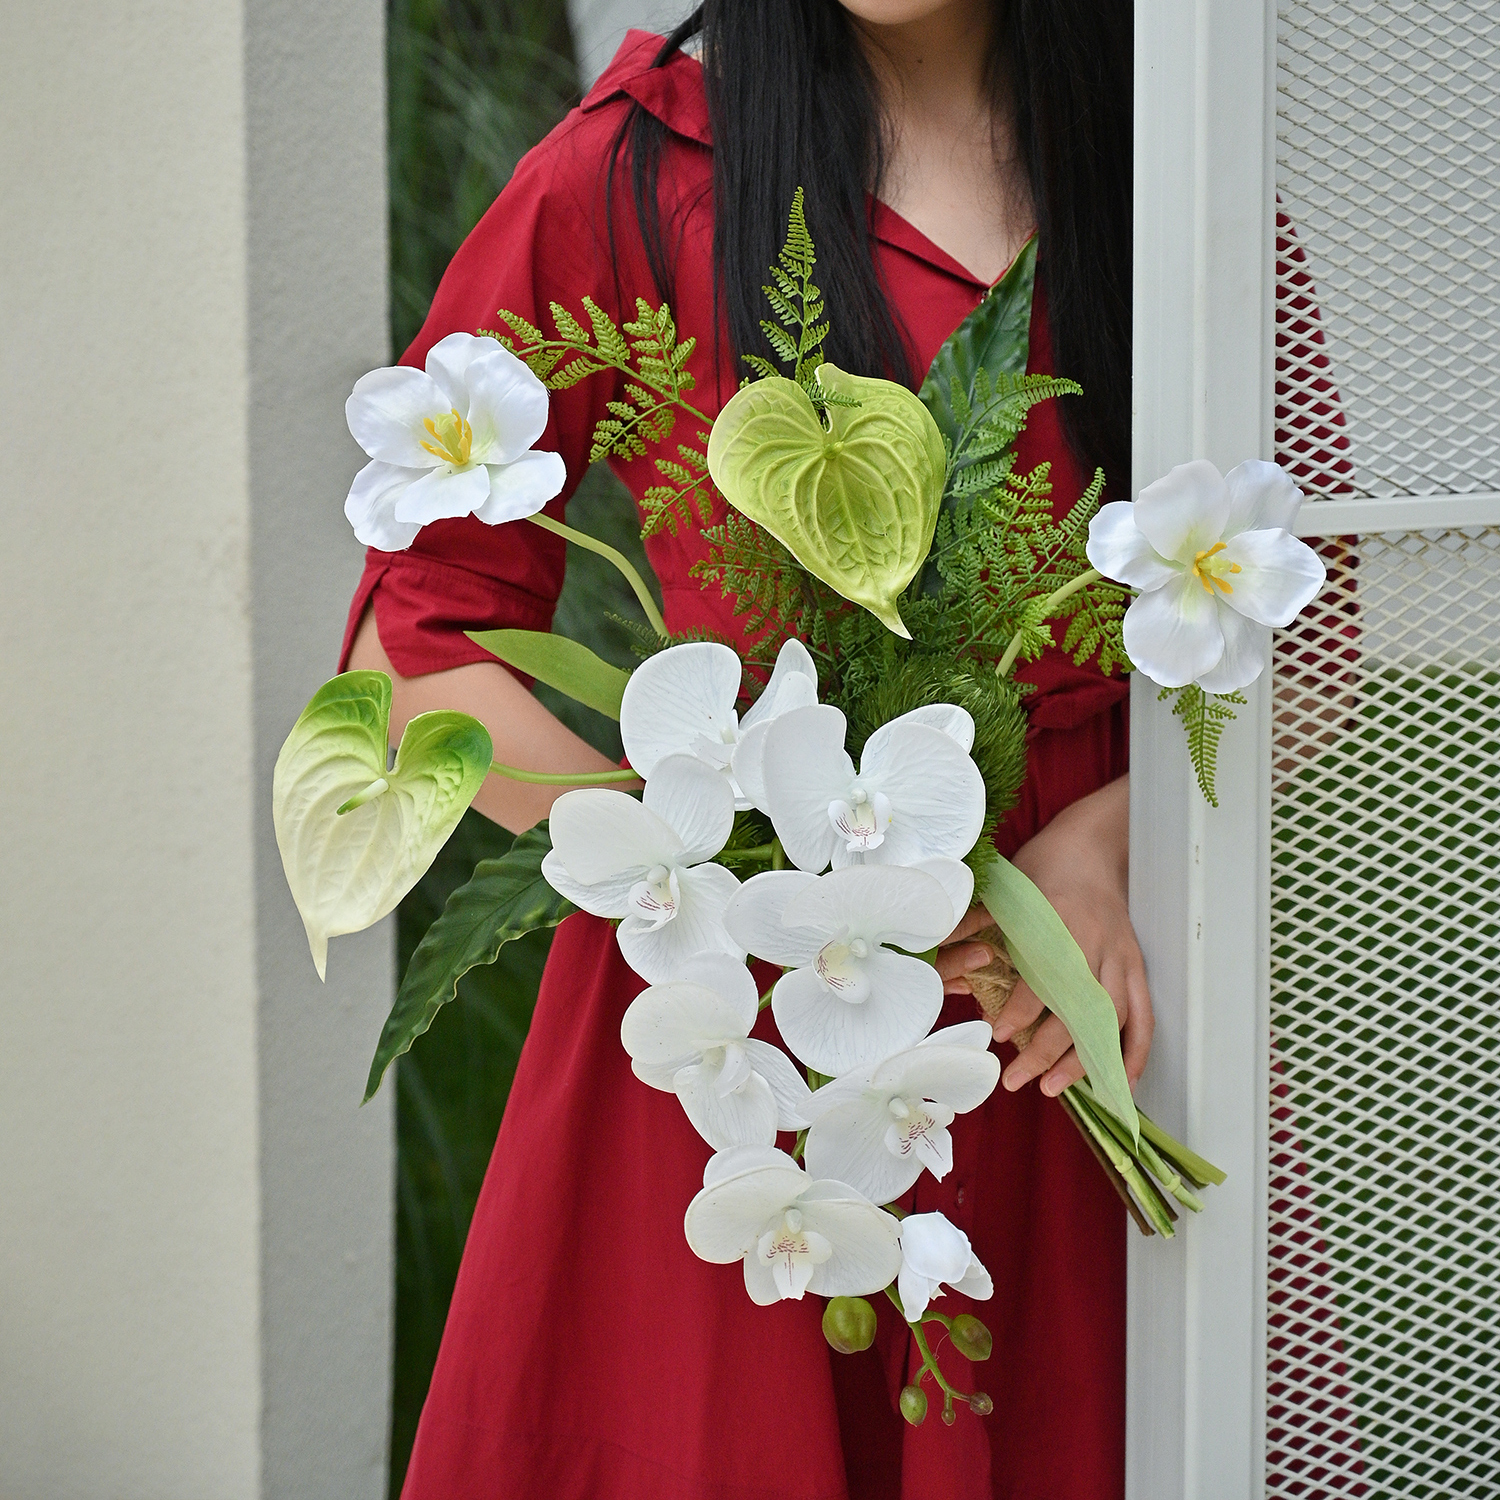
x=1383, y=1353
x=1388, y=166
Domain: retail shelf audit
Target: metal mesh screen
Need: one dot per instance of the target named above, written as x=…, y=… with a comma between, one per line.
x=1383, y=1353
x=1388, y=172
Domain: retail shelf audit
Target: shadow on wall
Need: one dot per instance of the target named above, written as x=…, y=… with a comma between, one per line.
x=474, y=84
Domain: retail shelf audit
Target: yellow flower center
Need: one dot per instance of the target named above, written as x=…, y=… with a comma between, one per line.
x=1209, y=569
x=452, y=438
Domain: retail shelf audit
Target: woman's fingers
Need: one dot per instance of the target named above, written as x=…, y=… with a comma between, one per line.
x=1067, y=1072
x=1140, y=1023
x=1044, y=1050
x=958, y=959
x=1018, y=1012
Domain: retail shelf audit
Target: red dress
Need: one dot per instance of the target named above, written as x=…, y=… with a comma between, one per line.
x=588, y=1354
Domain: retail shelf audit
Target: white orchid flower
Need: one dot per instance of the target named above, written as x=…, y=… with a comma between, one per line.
x=646, y=862
x=691, y=1037
x=1216, y=566
x=793, y=684
x=452, y=440
x=935, y=1253
x=681, y=702
x=848, y=999
x=794, y=1234
x=877, y=1129
x=917, y=793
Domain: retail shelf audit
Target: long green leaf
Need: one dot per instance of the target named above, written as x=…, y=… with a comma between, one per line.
x=507, y=898
x=995, y=338
x=563, y=664
x=1053, y=965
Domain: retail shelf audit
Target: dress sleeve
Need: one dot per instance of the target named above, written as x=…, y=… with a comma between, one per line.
x=542, y=240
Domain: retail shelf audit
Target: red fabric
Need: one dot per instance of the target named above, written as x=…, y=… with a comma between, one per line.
x=588, y=1354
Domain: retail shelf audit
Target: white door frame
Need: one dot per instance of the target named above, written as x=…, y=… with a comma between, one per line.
x=1204, y=372
x=1200, y=883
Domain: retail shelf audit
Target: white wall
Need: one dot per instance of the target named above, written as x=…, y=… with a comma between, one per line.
x=599, y=26
x=194, y=1215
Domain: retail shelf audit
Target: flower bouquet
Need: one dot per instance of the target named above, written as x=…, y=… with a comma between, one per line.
x=820, y=802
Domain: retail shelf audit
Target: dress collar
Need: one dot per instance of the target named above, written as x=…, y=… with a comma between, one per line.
x=674, y=94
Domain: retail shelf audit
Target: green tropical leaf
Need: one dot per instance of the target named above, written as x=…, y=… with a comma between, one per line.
x=1053, y=965
x=354, y=836
x=561, y=663
x=856, y=502
x=507, y=898
x=994, y=338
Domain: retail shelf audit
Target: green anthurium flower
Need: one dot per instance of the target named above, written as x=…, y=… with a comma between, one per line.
x=856, y=502
x=354, y=836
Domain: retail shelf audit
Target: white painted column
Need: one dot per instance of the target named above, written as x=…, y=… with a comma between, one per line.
x=194, y=1214
x=1199, y=877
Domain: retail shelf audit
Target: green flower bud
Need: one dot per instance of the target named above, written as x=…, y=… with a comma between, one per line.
x=914, y=1404
x=981, y=1404
x=970, y=1337
x=849, y=1324
x=949, y=1415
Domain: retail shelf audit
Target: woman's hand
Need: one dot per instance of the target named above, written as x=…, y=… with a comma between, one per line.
x=1080, y=862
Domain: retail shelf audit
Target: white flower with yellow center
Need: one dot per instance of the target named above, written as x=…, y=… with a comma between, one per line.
x=646, y=862
x=847, y=998
x=691, y=1037
x=451, y=440
x=1217, y=569
x=878, y=1128
x=794, y=1234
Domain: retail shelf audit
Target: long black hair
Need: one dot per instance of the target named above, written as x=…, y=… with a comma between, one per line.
x=793, y=102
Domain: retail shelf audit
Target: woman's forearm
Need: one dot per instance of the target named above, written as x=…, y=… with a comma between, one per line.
x=524, y=733
x=1095, y=831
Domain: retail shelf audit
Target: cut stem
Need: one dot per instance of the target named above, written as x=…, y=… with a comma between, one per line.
x=1155, y=1206
x=563, y=778
x=614, y=555
x=1070, y=1108
x=1056, y=597
x=1199, y=1172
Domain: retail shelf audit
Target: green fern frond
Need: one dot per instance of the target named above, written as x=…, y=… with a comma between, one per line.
x=1203, y=716
x=796, y=336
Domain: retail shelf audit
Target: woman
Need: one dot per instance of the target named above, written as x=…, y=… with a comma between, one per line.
x=588, y=1354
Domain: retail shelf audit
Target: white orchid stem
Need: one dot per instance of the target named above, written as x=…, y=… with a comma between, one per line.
x=562, y=778
x=1050, y=603
x=618, y=558
x=760, y=854
x=929, y=1362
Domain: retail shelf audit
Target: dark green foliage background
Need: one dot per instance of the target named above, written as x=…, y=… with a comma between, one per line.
x=474, y=84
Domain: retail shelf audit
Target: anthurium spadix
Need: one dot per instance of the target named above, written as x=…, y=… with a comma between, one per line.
x=848, y=997
x=691, y=1036
x=1216, y=566
x=646, y=863
x=354, y=836
x=681, y=702
x=917, y=792
x=857, y=501
x=452, y=440
x=878, y=1128
x=794, y=1234
x=936, y=1253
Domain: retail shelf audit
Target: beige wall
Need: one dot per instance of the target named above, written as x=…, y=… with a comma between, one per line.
x=194, y=1215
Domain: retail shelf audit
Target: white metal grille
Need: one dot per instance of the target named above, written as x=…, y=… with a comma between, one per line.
x=1383, y=1297
x=1388, y=173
